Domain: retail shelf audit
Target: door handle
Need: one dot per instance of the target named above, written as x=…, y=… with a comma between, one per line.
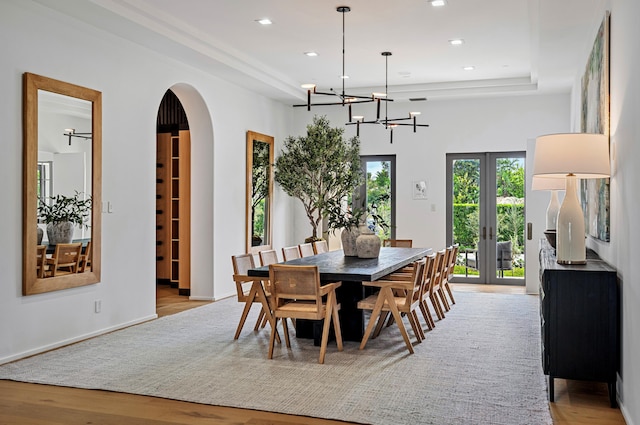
x=484, y=232
x=529, y=231
x=490, y=233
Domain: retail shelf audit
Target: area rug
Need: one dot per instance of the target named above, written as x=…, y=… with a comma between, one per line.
x=480, y=365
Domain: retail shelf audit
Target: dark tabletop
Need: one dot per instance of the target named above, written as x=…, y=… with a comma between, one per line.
x=333, y=265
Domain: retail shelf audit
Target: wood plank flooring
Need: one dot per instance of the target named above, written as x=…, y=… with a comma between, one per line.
x=577, y=402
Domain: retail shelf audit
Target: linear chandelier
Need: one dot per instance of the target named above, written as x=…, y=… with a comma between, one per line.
x=388, y=123
x=71, y=132
x=345, y=99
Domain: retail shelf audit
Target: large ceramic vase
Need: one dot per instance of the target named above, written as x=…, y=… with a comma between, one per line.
x=367, y=243
x=60, y=232
x=349, y=237
x=40, y=234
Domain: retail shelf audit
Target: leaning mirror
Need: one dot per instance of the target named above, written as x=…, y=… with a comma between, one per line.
x=259, y=189
x=62, y=125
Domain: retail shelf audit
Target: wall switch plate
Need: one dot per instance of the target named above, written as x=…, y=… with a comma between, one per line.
x=109, y=207
x=433, y=207
x=98, y=306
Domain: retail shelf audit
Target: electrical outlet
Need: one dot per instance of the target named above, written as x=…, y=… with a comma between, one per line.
x=98, y=306
x=433, y=207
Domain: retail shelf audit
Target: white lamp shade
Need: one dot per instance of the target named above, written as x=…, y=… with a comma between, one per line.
x=582, y=154
x=547, y=183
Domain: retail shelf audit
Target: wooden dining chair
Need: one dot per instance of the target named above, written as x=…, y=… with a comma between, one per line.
x=41, y=259
x=453, y=256
x=65, y=259
x=407, y=301
x=290, y=253
x=442, y=281
x=85, y=259
x=297, y=294
x=320, y=246
x=426, y=291
x=269, y=256
x=255, y=251
x=436, y=279
x=250, y=290
x=306, y=250
x=402, y=243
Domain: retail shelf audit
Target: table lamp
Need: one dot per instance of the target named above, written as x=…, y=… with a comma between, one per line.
x=552, y=184
x=574, y=156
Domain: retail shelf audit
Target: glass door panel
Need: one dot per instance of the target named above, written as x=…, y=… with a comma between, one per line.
x=378, y=194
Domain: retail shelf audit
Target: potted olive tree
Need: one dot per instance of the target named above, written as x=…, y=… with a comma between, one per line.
x=62, y=214
x=320, y=169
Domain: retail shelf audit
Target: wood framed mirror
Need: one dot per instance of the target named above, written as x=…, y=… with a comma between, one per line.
x=62, y=126
x=259, y=190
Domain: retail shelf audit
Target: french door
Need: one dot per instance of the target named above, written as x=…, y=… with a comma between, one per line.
x=485, y=216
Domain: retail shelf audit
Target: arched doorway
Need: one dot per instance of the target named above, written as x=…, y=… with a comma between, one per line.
x=173, y=195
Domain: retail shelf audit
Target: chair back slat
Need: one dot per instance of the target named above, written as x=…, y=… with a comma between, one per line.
x=320, y=246
x=402, y=243
x=294, y=282
x=269, y=256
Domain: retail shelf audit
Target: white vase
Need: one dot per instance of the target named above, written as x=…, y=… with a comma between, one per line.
x=60, y=232
x=348, y=238
x=40, y=234
x=367, y=243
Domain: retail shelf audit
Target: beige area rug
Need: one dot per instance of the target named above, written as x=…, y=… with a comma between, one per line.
x=481, y=365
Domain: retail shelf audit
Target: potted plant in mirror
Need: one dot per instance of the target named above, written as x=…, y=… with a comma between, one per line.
x=318, y=169
x=344, y=218
x=368, y=243
x=62, y=213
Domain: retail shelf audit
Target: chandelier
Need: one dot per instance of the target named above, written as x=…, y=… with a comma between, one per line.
x=345, y=99
x=388, y=123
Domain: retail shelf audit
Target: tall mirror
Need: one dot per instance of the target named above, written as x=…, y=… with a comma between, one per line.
x=62, y=125
x=259, y=195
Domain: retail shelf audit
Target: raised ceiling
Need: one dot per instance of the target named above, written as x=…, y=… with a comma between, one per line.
x=516, y=46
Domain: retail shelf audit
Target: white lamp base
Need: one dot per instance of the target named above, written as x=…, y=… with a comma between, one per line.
x=552, y=211
x=570, y=245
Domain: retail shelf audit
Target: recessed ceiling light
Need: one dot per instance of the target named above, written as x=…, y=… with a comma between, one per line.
x=438, y=3
x=344, y=77
x=456, y=41
x=469, y=68
x=264, y=21
x=311, y=54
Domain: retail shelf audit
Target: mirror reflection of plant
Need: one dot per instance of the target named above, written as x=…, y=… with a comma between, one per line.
x=259, y=186
x=320, y=169
x=63, y=208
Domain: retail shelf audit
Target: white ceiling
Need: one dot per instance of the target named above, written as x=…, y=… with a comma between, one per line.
x=516, y=46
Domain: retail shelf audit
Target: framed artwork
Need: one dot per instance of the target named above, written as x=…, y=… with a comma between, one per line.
x=594, y=193
x=420, y=189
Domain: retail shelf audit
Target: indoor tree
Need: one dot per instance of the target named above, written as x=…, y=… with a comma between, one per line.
x=320, y=169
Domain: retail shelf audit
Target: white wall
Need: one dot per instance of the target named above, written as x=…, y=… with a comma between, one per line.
x=456, y=126
x=132, y=80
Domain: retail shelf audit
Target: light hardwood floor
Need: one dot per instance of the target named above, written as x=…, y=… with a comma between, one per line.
x=582, y=403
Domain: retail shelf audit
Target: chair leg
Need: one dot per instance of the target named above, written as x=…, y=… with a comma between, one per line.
x=272, y=340
x=396, y=314
x=381, y=321
x=445, y=303
x=285, y=328
x=436, y=306
x=247, y=306
x=325, y=328
x=336, y=324
x=261, y=316
x=415, y=324
x=375, y=313
x=450, y=292
x=424, y=308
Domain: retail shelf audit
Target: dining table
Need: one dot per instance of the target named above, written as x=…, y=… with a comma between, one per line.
x=334, y=266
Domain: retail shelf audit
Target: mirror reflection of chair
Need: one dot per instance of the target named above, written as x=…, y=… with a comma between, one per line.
x=402, y=243
x=320, y=246
x=65, y=259
x=385, y=300
x=306, y=250
x=290, y=253
x=85, y=259
x=297, y=294
x=41, y=260
x=504, y=257
x=250, y=291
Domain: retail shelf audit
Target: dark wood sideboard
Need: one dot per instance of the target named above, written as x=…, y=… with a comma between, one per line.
x=579, y=317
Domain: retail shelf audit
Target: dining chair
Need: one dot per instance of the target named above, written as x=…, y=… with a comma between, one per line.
x=255, y=251
x=306, y=250
x=250, y=291
x=41, y=259
x=407, y=302
x=429, y=274
x=403, y=243
x=320, y=246
x=290, y=253
x=85, y=259
x=66, y=256
x=442, y=281
x=453, y=256
x=436, y=277
x=297, y=294
x=269, y=256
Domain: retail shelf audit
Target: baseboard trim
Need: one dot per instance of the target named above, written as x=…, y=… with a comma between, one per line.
x=70, y=341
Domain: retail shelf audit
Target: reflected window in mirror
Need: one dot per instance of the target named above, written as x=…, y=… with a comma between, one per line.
x=259, y=195
x=62, y=178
